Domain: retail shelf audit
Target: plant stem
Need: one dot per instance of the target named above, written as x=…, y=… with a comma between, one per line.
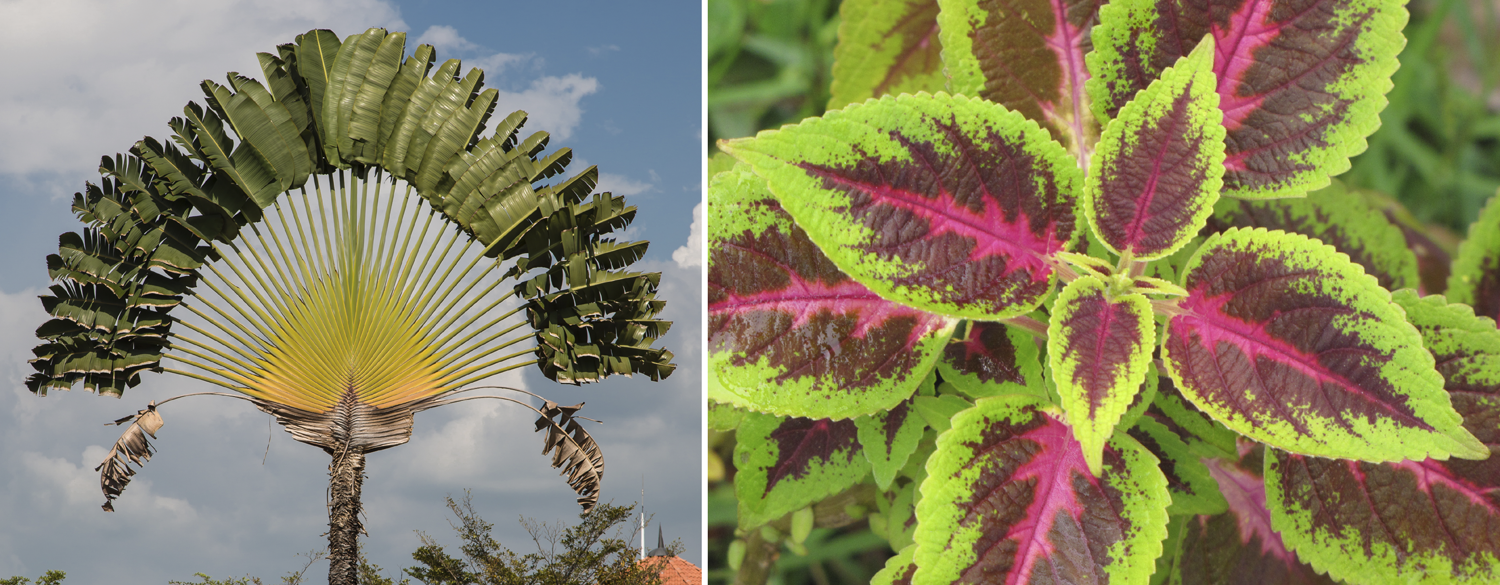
x=346, y=475
x=1029, y=324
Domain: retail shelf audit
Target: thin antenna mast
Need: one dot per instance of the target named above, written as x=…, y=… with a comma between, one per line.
x=643, y=517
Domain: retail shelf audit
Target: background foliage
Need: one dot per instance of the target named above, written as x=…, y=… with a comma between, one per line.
x=1437, y=152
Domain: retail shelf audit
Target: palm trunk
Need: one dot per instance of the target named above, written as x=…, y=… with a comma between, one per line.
x=348, y=432
x=345, y=477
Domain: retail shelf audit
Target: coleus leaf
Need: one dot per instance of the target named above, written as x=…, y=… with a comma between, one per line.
x=1027, y=55
x=1160, y=163
x=939, y=410
x=1202, y=434
x=1287, y=342
x=1301, y=84
x=949, y=204
x=1008, y=500
x=1099, y=345
x=888, y=438
x=1475, y=280
x=991, y=359
x=886, y=47
x=784, y=464
x=1143, y=397
x=1237, y=545
x=1434, y=263
x=723, y=417
x=1422, y=521
x=898, y=569
x=1338, y=218
x=901, y=518
x=1193, y=489
x=790, y=334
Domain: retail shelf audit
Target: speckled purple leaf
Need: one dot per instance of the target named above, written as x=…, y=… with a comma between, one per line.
x=1026, y=55
x=1476, y=270
x=888, y=438
x=1426, y=521
x=1009, y=500
x=1301, y=82
x=1337, y=217
x=1098, y=346
x=785, y=464
x=886, y=47
x=1160, y=163
x=949, y=204
x=992, y=358
x=1236, y=546
x=791, y=334
x=1288, y=342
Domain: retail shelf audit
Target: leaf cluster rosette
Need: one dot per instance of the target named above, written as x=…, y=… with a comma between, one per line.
x=1099, y=249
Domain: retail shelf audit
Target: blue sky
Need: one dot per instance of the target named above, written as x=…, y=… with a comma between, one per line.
x=617, y=82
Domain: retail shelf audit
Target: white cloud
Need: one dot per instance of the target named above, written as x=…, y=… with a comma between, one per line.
x=551, y=103
x=621, y=185
x=602, y=49
x=130, y=61
x=691, y=253
x=447, y=40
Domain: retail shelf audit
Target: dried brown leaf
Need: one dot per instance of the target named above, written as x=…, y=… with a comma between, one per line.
x=115, y=471
x=573, y=450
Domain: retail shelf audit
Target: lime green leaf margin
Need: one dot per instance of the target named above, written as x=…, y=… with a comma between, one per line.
x=1099, y=346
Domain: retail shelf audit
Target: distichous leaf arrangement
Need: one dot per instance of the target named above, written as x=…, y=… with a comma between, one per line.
x=345, y=242
x=1065, y=292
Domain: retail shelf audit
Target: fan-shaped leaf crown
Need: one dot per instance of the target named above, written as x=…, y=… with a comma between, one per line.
x=330, y=292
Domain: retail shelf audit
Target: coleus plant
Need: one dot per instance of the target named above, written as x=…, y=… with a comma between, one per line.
x=1083, y=304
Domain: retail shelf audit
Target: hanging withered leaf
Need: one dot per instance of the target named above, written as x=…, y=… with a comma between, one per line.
x=1286, y=341
x=1476, y=271
x=115, y=471
x=573, y=451
x=886, y=47
x=950, y=204
x=1009, y=500
x=1336, y=217
x=1099, y=346
x=1028, y=56
x=789, y=333
x=784, y=464
x=1300, y=85
x=1160, y=163
x=1417, y=521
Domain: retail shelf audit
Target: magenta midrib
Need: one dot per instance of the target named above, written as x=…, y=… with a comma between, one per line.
x=1019, y=242
x=1148, y=193
x=868, y=308
x=1054, y=437
x=1064, y=42
x=1099, y=366
x=1004, y=65
x=1257, y=342
x=1246, y=495
x=1430, y=473
x=1233, y=58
